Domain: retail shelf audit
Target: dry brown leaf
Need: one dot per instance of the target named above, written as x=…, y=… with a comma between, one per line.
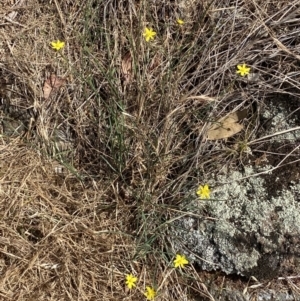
x=127, y=67
x=53, y=83
x=226, y=126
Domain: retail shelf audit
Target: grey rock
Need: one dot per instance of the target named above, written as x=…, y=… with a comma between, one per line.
x=250, y=226
x=262, y=295
x=243, y=229
x=272, y=295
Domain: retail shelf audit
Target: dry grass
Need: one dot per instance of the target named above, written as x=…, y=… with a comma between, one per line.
x=134, y=150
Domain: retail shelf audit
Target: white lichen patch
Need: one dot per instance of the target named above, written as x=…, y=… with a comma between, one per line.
x=245, y=224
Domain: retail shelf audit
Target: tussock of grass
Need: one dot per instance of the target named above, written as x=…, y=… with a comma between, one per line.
x=131, y=152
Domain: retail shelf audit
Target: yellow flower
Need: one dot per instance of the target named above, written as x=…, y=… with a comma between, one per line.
x=180, y=22
x=150, y=293
x=243, y=70
x=149, y=34
x=203, y=192
x=130, y=281
x=180, y=261
x=57, y=45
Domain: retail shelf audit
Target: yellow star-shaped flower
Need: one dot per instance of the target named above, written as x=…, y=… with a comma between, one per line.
x=243, y=70
x=149, y=34
x=57, y=45
x=203, y=192
x=130, y=281
x=150, y=293
x=180, y=261
x=180, y=22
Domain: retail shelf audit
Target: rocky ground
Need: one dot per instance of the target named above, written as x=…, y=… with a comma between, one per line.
x=250, y=226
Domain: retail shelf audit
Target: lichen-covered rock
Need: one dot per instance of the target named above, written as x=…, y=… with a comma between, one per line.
x=262, y=294
x=246, y=228
x=272, y=295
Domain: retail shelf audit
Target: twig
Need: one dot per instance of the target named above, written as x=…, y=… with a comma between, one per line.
x=60, y=14
x=275, y=134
